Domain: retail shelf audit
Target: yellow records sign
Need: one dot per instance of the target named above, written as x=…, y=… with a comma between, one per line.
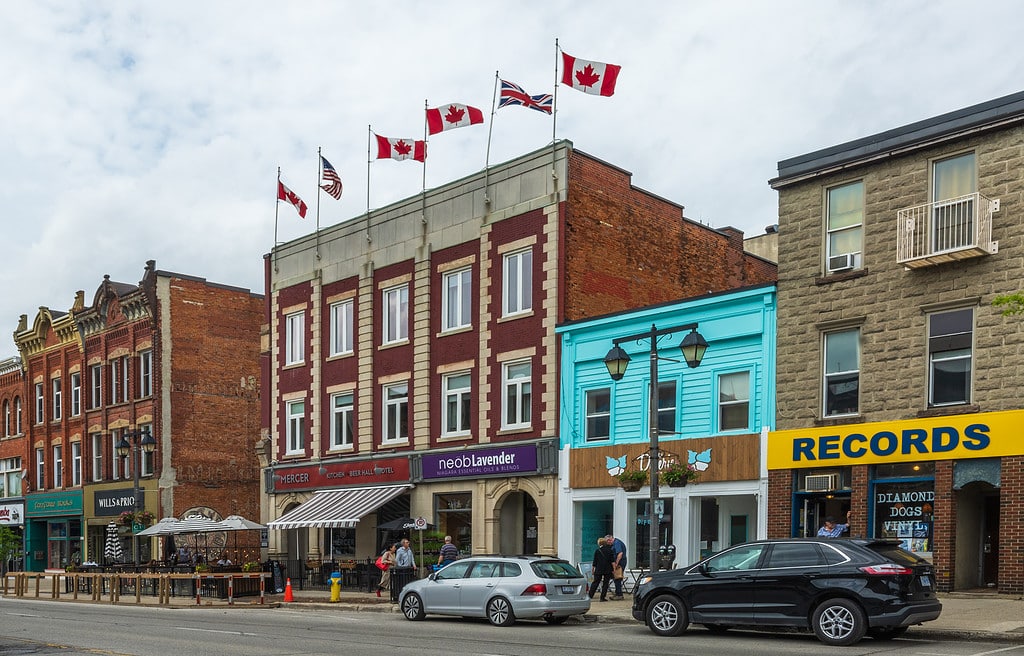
x=983, y=435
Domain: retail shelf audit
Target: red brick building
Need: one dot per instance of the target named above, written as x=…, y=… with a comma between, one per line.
x=412, y=363
x=12, y=449
x=174, y=359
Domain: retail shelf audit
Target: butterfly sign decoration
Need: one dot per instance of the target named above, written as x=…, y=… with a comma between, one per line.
x=615, y=466
x=699, y=461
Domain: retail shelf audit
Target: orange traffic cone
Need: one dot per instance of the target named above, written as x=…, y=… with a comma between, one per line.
x=288, y=590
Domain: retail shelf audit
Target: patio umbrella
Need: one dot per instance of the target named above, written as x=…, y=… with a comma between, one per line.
x=196, y=524
x=112, y=551
x=235, y=523
x=165, y=526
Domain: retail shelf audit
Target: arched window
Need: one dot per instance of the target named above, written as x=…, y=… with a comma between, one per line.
x=7, y=418
x=17, y=415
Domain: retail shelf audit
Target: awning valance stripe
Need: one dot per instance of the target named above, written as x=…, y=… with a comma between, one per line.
x=337, y=508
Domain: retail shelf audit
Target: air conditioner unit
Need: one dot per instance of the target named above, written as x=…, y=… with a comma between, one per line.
x=843, y=262
x=821, y=482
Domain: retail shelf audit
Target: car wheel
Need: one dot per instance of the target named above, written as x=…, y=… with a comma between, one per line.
x=887, y=632
x=499, y=612
x=412, y=607
x=666, y=616
x=839, y=622
x=717, y=629
x=556, y=620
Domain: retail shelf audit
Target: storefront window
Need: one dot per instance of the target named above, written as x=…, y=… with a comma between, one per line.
x=339, y=543
x=455, y=518
x=595, y=521
x=905, y=509
x=642, y=534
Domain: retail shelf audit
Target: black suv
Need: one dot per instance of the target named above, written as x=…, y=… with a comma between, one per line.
x=841, y=589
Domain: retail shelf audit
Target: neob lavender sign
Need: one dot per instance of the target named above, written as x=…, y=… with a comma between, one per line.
x=483, y=462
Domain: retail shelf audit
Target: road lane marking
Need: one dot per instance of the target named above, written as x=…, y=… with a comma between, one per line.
x=188, y=628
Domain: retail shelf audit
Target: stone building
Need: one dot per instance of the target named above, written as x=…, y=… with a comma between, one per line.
x=412, y=357
x=898, y=381
x=172, y=359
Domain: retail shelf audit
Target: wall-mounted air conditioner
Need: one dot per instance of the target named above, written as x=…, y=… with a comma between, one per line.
x=821, y=482
x=843, y=262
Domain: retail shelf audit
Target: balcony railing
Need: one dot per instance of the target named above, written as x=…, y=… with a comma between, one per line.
x=945, y=231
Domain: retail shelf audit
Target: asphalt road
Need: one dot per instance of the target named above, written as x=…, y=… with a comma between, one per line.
x=40, y=627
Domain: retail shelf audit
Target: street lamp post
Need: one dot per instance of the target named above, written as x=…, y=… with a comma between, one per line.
x=693, y=347
x=141, y=441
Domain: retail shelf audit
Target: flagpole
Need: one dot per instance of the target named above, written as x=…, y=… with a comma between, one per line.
x=423, y=215
x=369, y=138
x=318, y=190
x=487, y=157
x=277, y=206
x=554, y=123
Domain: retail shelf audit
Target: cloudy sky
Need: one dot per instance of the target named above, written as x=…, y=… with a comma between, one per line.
x=154, y=130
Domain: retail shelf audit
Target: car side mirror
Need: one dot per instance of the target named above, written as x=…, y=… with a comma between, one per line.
x=703, y=569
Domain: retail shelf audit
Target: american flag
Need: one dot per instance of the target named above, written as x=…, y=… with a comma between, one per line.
x=331, y=182
x=513, y=94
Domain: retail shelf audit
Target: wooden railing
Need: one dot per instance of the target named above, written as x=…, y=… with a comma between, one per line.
x=98, y=586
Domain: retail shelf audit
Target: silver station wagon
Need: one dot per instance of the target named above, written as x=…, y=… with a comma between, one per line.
x=500, y=588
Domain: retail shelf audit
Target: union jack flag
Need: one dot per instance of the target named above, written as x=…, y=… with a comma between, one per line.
x=513, y=94
x=330, y=183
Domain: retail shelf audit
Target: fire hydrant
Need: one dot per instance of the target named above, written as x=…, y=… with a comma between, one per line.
x=335, y=586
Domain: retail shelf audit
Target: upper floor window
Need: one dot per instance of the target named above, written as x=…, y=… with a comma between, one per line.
x=7, y=418
x=118, y=463
x=39, y=403
x=55, y=385
x=517, y=291
x=145, y=374
x=58, y=466
x=667, y=407
x=76, y=464
x=119, y=380
x=17, y=415
x=97, y=456
x=457, y=299
x=342, y=409
x=396, y=314
x=954, y=182
x=295, y=338
x=148, y=458
x=599, y=414
x=842, y=373
x=734, y=401
x=40, y=469
x=950, y=354
x=296, y=427
x=76, y=394
x=515, y=399
x=96, y=386
x=458, y=405
x=10, y=477
x=396, y=413
x=845, y=231
x=341, y=327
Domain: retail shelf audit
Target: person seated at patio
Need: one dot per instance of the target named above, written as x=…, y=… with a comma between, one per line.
x=224, y=560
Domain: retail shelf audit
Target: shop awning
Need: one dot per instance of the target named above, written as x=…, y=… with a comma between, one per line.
x=337, y=508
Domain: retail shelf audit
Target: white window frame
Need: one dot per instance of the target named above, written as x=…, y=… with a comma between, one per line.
x=76, y=394
x=723, y=404
x=145, y=374
x=55, y=388
x=457, y=299
x=118, y=462
x=295, y=417
x=96, y=386
x=10, y=477
x=295, y=338
x=396, y=314
x=17, y=415
x=457, y=395
x=97, y=457
x=668, y=408
x=827, y=375
x=395, y=427
x=58, y=466
x=845, y=231
x=520, y=387
x=40, y=469
x=115, y=380
x=40, y=418
x=517, y=283
x=7, y=418
x=76, y=464
x=342, y=416
x=342, y=314
x=146, y=464
x=595, y=414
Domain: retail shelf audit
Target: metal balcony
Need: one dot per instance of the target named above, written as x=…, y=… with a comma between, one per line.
x=945, y=231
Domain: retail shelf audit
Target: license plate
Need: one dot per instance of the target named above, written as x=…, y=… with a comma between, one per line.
x=926, y=582
x=568, y=589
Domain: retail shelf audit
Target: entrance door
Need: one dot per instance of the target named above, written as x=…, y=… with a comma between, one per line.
x=817, y=508
x=990, y=543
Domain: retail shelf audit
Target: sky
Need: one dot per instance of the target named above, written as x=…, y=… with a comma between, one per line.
x=132, y=131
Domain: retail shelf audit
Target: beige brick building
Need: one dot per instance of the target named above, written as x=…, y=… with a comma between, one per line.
x=898, y=381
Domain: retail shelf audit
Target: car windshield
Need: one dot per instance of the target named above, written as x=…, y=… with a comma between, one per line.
x=555, y=569
x=896, y=554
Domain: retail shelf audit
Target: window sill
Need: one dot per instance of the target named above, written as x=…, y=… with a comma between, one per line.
x=839, y=420
x=517, y=315
x=340, y=450
x=840, y=277
x=394, y=444
x=340, y=356
x=454, y=331
x=294, y=365
x=387, y=345
x=461, y=437
x=948, y=410
x=512, y=430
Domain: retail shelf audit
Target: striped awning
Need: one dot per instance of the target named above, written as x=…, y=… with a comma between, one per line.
x=337, y=508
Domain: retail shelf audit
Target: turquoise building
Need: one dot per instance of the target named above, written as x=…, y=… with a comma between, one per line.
x=713, y=419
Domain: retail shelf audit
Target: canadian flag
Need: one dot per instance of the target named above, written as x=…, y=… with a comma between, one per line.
x=592, y=77
x=452, y=115
x=284, y=193
x=401, y=149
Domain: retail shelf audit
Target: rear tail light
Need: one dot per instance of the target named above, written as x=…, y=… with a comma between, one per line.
x=536, y=590
x=886, y=569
